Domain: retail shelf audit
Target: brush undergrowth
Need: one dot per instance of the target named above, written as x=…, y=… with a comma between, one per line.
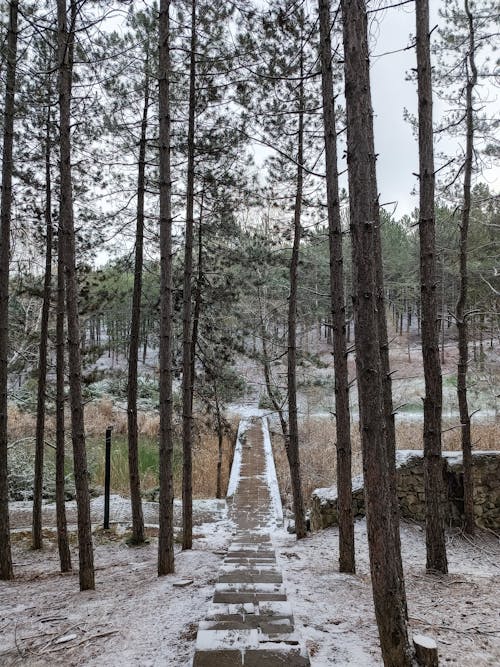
x=98, y=416
x=318, y=452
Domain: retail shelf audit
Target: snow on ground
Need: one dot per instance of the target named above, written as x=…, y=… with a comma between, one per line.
x=135, y=618
x=272, y=480
x=460, y=611
x=132, y=618
x=234, y=477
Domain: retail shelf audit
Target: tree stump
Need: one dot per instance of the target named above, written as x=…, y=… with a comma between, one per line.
x=426, y=651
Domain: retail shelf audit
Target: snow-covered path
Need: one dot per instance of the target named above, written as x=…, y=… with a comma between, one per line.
x=250, y=621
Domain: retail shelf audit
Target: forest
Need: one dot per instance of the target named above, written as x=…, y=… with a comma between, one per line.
x=209, y=219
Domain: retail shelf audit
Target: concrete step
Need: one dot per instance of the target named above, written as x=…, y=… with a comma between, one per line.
x=234, y=648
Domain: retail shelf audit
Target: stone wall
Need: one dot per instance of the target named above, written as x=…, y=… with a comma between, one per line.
x=410, y=486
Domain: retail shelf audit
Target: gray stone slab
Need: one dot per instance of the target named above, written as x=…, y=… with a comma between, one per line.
x=251, y=577
x=233, y=597
x=218, y=658
x=275, y=657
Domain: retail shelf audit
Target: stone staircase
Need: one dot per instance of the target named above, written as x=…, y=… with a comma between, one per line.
x=249, y=621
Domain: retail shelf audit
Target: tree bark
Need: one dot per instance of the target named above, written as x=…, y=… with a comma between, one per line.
x=388, y=593
x=6, y=571
x=187, y=381
x=66, y=222
x=36, y=542
x=342, y=415
x=166, y=520
x=62, y=530
x=293, y=433
x=197, y=296
x=220, y=436
x=133, y=352
x=266, y=364
x=462, y=328
x=433, y=464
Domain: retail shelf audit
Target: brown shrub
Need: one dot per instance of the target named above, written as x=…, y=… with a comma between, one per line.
x=318, y=452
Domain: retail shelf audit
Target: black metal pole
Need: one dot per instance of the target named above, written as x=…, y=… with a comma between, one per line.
x=107, y=477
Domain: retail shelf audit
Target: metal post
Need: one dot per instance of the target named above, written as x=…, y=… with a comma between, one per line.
x=107, y=477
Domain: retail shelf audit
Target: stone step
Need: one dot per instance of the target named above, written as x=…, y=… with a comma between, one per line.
x=250, y=576
x=270, y=608
x=224, y=648
x=277, y=656
x=249, y=622
x=268, y=626
x=236, y=593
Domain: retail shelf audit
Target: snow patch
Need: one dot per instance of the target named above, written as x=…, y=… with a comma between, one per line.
x=272, y=479
x=426, y=642
x=234, y=478
x=329, y=493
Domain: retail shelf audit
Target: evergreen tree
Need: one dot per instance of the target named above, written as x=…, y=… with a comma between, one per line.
x=435, y=537
x=6, y=571
x=388, y=589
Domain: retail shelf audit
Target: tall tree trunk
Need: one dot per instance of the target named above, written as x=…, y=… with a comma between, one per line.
x=342, y=415
x=42, y=359
x=293, y=434
x=463, y=352
x=433, y=464
x=62, y=530
x=187, y=381
x=388, y=593
x=6, y=571
x=133, y=352
x=166, y=521
x=65, y=47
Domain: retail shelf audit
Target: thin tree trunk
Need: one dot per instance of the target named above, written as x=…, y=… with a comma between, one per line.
x=442, y=313
x=342, y=416
x=266, y=364
x=187, y=381
x=388, y=593
x=197, y=297
x=6, y=571
x=220, y=435
x=42, y=359
x=85, y=550
x=463, y=352
x=433, y=464
x=62, y=530
x=293, y=434
x=133, y=352
x=166, y=520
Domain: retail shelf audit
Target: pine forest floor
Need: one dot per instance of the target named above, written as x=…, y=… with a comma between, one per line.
x=135, y=618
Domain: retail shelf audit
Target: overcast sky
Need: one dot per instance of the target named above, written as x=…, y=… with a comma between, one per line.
x=395, y=144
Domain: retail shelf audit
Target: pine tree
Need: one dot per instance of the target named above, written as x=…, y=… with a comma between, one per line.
x=342, y=413
x=166, y=529
x=388, y=591
x=6, y=571
x=433, y=466
x=66, y=228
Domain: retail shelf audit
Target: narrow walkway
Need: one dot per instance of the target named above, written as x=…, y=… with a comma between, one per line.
x=250, y=622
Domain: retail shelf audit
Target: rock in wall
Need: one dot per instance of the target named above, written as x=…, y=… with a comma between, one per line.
x=410, y=488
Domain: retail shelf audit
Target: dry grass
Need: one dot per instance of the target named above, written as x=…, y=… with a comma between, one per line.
x=318, y=452
x=98, y=416
x=101, y=414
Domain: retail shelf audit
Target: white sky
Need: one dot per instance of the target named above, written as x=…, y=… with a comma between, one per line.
x=391, y=93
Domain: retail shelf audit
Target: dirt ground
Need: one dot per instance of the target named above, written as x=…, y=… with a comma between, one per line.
x=135, y=618
x=460, y=611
